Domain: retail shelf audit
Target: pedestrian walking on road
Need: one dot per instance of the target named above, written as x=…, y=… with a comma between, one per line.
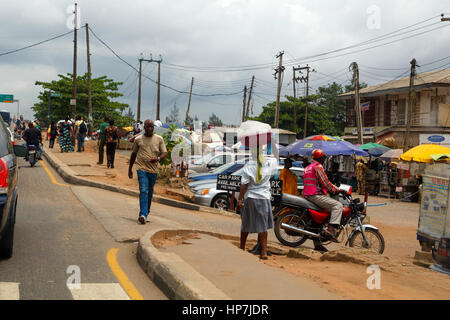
x=52, y=134
x=66, y=136
x=80, y=130
x=112, y=138
x=102, y=141
x=255, y=199
x=361, y=170
x=148, y=151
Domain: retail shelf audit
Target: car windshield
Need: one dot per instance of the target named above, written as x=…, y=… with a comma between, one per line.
x=204, y=159
x=223, y=168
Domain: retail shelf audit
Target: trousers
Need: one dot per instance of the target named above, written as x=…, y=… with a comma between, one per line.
x=329, y=204
x=110, y=152
x=146, y=181
x=101, y=151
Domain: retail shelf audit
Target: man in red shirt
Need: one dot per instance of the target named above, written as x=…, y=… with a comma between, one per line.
x=316, y=185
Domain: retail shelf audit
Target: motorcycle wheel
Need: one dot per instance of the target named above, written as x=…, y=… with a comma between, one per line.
x=376, y=241
x=32, y=159
x=286, y=237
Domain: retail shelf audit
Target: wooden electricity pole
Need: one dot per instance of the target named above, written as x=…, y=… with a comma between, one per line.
x=294, y=81
x=158, y=99
x=249, y=98
x=74, y=81
x=354, y=67
x=189, y=103
x=138, y=116
x=278, y=72
x=140, y=82
x=89, y=81
x=406, y=139
x=243, y=106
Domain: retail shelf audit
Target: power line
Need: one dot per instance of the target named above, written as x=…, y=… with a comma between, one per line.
x=39, y=43
x=304, y=59
x=162, y=85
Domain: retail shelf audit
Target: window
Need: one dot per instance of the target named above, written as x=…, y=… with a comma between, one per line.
x=4, y=141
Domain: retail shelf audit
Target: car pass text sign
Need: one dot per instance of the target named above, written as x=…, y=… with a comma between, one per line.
x=228, y=182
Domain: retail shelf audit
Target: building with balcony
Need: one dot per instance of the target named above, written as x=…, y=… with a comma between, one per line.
x=386, y=114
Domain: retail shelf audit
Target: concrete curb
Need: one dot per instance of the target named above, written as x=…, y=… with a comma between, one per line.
x=70, y=176
x=176, y=278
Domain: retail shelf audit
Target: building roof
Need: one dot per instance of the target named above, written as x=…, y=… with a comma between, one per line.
x=439, y=78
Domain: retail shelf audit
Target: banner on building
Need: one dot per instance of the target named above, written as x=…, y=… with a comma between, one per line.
x=365, y=106
x=440, y=139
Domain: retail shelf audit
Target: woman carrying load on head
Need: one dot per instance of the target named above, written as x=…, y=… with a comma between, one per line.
x=255, y=195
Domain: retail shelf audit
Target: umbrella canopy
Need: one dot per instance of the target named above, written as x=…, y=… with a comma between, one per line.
x=441, y=156
x=391, y=155
x=378, y=151
x=370, y=145
x=331, y=148
x=323, y=137
x=423, y=152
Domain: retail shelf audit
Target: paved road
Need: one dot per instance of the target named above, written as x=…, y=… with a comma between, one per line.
x=55, y=237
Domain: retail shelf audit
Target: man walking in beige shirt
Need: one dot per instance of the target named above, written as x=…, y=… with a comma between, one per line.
x=148, y=151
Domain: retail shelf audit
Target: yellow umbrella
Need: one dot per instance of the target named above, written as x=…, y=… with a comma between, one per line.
x=423, y=152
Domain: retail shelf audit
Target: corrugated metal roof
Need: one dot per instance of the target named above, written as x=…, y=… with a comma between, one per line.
x=422, y=80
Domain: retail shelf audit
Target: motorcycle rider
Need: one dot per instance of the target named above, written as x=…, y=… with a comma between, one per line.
x=32, y=136
x=316, y=185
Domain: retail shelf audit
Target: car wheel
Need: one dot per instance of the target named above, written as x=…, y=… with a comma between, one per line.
x=221, y=202
x=6, y=244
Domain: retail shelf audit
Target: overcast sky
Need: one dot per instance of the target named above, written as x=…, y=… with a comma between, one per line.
x=218, y=34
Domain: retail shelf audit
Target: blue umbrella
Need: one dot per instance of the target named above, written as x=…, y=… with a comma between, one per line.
x=331, y=148
x=378, y=151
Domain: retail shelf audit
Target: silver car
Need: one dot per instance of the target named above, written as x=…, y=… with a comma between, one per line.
x=206, y=194
x=214, y=160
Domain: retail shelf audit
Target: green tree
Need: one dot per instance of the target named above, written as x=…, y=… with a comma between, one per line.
x=104, y=91
x=215, y=120
x=336, y=109
x=174, y=114
x=318, y=119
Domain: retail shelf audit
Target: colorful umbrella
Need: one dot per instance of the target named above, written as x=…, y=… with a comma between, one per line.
x=331, y=148
x=423, y=152
x=323, y=137
x=391, y=155
x=370, y=145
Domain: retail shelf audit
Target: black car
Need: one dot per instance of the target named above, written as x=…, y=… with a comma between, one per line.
x=8, y=192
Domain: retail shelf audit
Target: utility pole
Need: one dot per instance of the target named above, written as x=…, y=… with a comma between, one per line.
x=294, y=81
x=189, y=103
x=354, y=67
x=89, y=81
x=138, y=116
x=140, y=83
x=306, y=80
x=410, y=102
x=159, y=85
x=243, y=106
x=278, y=72
x=74, y=81
x=249, y=98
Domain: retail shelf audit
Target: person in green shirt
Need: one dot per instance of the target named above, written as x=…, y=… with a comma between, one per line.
x=102, y=141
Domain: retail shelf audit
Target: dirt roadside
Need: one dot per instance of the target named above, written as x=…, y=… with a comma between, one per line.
x=397, y=222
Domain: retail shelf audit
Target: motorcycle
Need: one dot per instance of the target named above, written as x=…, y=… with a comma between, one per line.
x=32, y=154
x=297, y=220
